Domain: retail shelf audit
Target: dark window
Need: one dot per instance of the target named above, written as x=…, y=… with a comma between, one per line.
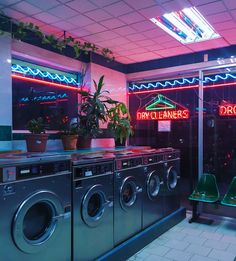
x=32, y=100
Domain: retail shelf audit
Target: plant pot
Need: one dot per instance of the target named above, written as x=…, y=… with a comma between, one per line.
x=36, y=142
x=120, y=144
x=69, y=141
x=83, y=142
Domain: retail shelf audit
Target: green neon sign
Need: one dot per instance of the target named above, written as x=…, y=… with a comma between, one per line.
x=161, y=103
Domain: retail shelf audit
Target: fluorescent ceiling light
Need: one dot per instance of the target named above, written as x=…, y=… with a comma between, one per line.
x=187, y=26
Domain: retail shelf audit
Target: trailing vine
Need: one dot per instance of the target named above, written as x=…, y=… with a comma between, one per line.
x=22, y=28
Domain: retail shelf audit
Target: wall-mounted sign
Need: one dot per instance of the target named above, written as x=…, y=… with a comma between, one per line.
x=227, y=109
x=164, y=126
x=162, y=108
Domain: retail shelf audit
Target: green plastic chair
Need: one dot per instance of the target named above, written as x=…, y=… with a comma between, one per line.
x=230, y=196
x=206, y=190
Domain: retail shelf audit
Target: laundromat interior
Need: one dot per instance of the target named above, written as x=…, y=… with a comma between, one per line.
x=118, y=130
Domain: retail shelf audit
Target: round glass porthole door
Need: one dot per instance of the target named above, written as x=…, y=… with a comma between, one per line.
x=36, y=220
x=94, y=205
x=172, y=178
x=153, y=185
x=128, y=193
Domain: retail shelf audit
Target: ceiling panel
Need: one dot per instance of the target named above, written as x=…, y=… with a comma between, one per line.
x=140, y=4
x=98, y=15
x=44, y=16
x=131, y=18
x=123, y=25
x=26, y=8
x=81, y=6
x=13, y=13
x=175, y=5
x=151, y=12
x=112, y=23
x=63, y=12
x=44, y=4
x=230, y=4
x=212, y=8
x=118, y=9
x=8, y=2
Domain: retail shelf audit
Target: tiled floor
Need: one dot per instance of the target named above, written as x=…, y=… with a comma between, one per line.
x=193, y=242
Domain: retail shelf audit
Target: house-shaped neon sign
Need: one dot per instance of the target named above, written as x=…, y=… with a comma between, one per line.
x=162, y=108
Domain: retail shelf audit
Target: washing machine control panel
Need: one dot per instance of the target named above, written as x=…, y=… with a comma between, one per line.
x=172, y=155
x=27, y=171
x=128, y=163
x=84, y=171
x=149, y=159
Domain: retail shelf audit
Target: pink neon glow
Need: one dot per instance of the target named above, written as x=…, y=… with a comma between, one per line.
x=19, y=77
x=183, y=88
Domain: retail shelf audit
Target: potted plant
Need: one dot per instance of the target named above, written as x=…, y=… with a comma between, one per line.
x=36, y=141
x=69, y=133
x=119, y=123
x=92, y=109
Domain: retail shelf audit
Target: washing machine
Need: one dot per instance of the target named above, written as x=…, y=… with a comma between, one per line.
x=128, y=189
x=172, y=181
x=35, y=207
x=153, y=194
x=92, y=206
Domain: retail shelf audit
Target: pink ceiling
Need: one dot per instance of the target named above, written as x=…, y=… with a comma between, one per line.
x=124, y=26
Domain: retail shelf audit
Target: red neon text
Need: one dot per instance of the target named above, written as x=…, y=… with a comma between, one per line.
x=227, y=110
x=163, y=115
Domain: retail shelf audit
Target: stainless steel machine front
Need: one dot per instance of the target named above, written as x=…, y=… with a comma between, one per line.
x=35, y=207
x=92, y=207
x=128, y=189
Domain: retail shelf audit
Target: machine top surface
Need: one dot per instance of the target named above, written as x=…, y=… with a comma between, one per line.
x=31, y=158
x=78, y=159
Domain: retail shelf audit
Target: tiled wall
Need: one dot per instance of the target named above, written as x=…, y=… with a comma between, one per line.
x=115, y=83
x=5, y=92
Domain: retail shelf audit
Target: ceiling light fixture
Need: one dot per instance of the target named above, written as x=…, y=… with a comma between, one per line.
x=187, y=26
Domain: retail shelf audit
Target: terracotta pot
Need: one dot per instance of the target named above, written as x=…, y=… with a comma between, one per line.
x=83, y=143
x=36, y=142
x=69, y=141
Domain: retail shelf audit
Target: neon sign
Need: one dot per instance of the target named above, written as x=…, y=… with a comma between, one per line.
x=162, y=108
x=227, y=109
x=42, y=98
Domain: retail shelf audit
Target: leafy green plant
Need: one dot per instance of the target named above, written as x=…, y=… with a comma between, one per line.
x=119, y=121
x=67, y=127
x=21, y=30
x=92, y=109
x=36, y=126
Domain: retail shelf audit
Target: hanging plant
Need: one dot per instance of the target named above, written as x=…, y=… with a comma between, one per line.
x=21, y=30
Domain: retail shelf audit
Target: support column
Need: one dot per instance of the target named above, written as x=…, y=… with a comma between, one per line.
x=5, y=93
x=200, y=125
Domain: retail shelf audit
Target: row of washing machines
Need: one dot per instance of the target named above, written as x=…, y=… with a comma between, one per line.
x=113, y=202
x=51, y=209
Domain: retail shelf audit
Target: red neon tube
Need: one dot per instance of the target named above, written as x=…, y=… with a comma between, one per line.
x=183, y=88
x=45, y=82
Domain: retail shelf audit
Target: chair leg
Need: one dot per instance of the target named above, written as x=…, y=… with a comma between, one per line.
x=195, y=214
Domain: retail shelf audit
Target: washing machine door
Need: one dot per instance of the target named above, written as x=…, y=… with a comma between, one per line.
x=172, y=178
x=153, y=185
x=36, y=220
x=128, y=192
x=95, y=205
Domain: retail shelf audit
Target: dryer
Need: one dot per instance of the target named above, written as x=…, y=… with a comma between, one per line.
x=92, y=220
x=153, y=194
x=128, y=189
x=172, y=181
x=35, y=207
